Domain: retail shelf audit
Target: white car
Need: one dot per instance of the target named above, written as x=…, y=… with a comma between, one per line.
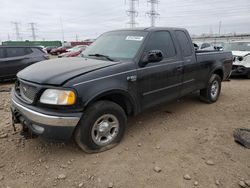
x=241, y=53
x=203, y=46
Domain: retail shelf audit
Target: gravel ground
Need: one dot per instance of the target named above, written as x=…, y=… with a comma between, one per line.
x=179, y=145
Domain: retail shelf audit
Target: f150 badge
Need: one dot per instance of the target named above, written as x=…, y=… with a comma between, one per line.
x=132, y=78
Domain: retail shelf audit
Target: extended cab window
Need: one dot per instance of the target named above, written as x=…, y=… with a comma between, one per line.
x=28, y=51
x=15, y=52
x=184, y=42
x=161, y=40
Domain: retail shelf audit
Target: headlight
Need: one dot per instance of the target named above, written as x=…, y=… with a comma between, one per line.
x=58, y=97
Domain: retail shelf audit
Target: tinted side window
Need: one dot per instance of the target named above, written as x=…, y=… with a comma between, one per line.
x=28, y=51
x=14, y=52
x=162, y=40
x=2, y=55
x=182, y=38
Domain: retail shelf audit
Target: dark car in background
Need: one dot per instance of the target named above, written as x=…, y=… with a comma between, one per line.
x=73, y=52
x=14, y=59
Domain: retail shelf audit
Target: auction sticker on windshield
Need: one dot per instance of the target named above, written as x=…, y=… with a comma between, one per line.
x=136, y=38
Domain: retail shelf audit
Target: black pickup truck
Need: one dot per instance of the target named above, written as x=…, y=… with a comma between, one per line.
x=122, y=73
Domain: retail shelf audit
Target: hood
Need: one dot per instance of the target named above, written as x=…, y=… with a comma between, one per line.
x=57, y=71
x=240, y=53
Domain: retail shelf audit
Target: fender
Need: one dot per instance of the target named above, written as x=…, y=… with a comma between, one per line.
x=217, y=68
x=126, y=94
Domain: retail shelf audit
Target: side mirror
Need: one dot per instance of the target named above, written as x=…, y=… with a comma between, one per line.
x=152, y=56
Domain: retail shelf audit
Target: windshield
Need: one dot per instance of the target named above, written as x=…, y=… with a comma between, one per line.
x=120, y=45
x=238, y=46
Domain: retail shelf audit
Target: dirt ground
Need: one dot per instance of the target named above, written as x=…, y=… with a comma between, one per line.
x=185, y=138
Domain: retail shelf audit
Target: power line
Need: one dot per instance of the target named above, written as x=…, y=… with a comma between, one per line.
x=132, y=13
x=153, y=14
x=16, y=26
x=33, y=30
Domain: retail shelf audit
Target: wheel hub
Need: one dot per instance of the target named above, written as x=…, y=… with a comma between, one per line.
x=214, y=89
x=105, y=130
x=103, y=127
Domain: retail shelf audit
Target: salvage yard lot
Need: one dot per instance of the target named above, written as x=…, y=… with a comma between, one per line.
x=178, y=138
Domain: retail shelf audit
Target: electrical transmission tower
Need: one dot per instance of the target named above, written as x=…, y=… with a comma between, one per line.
x=33, y=30
x=16, y=26
x=132, y=13
x=153, y=14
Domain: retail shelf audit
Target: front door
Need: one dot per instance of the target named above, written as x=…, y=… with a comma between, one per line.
x=160, y=82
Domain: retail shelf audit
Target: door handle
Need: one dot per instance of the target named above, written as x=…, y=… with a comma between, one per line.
x=179, y=69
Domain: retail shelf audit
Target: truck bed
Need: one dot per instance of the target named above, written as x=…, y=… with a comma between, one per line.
x=208, y=56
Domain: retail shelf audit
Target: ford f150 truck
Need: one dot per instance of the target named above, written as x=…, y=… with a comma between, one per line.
x=122, y=73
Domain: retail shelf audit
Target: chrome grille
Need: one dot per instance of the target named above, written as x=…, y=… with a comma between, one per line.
x=27, y=92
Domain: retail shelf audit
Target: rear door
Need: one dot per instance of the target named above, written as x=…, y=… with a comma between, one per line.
x=160, y=82
x=190, y=66
x=2, y=64
x=14, y=60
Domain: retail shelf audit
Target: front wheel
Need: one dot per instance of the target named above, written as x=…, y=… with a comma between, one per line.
x=101, y=127
x=211, y=93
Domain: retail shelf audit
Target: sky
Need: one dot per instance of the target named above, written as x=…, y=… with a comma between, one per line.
x=90, y=18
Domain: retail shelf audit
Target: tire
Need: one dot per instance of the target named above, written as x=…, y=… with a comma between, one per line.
x=212, y=92
x=101, y=128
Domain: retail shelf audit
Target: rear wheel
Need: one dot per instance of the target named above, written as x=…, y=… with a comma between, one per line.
x=101, y=127
x=211, y=93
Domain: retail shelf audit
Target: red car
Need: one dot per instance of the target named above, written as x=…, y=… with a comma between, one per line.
x=58, y=50
x=73, y=52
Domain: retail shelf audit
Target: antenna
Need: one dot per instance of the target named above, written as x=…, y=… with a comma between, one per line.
x=132, y=13
x=33, y=30
x=153, y=14
x=16, y=25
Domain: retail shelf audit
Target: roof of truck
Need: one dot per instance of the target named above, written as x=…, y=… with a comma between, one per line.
x=149, y=29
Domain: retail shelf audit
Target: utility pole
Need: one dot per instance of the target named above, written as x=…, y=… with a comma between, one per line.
x=16, y=26
x=153, y=14
x=76, y=38
x=33, y=30
x=62, y=30
x=219, y=27
x=132, y=13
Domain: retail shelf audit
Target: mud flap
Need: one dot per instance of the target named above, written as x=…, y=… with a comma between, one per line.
x=14, y=118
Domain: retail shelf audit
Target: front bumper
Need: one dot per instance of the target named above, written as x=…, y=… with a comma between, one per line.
x=239, y=70
x=53, y=126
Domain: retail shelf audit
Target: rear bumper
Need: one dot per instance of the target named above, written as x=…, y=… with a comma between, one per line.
x=238, y=70
x=56, y=126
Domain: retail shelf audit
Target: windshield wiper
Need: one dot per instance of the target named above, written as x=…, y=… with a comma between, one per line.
x=101, y=55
